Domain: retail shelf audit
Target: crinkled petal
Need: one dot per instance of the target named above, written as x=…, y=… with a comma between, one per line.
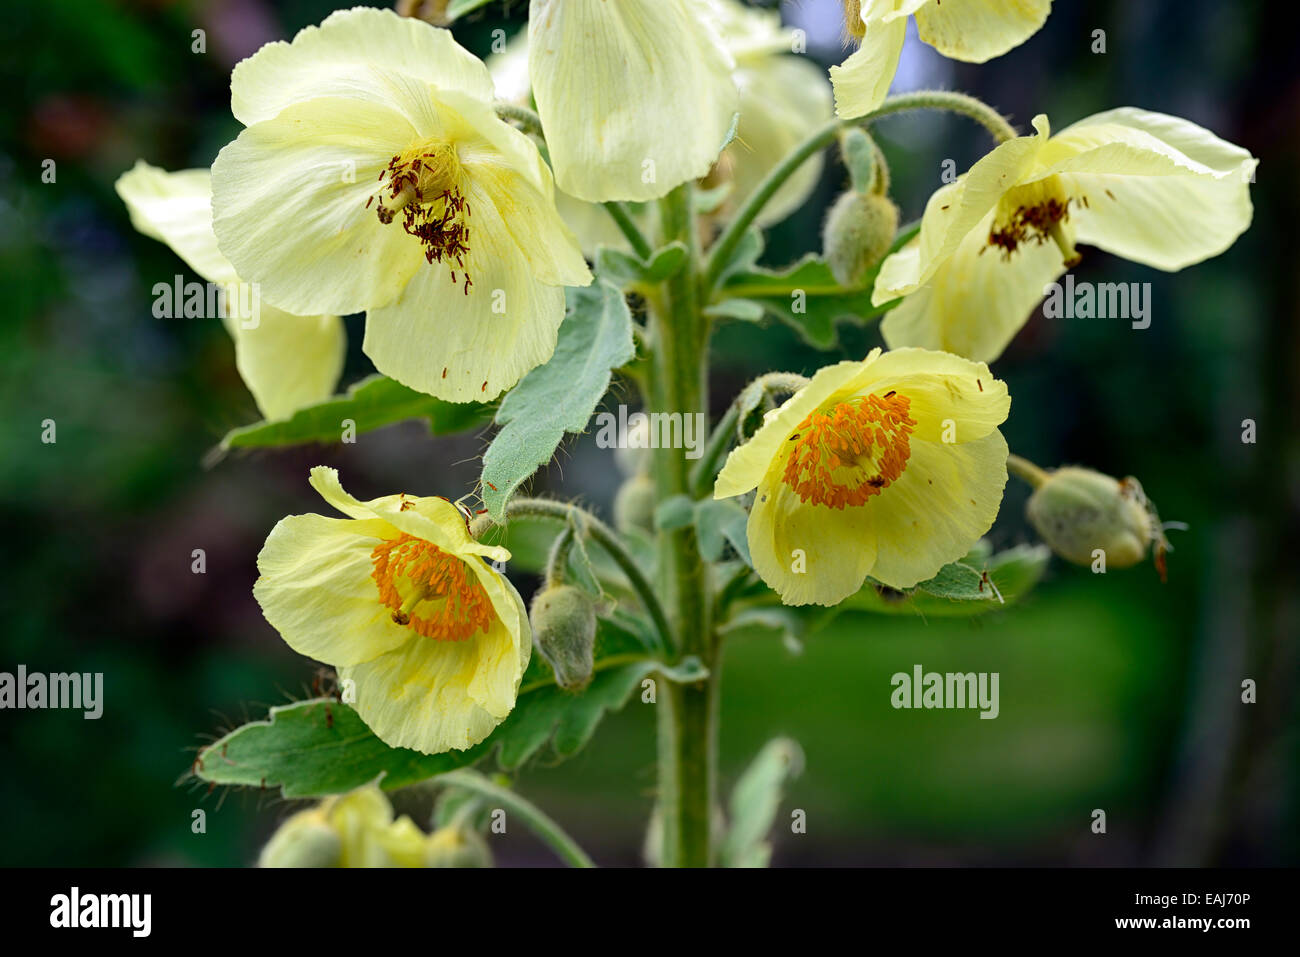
x=942, y=504
x=469, y=346
x=288, y=362
x=978, y=30
x=176, y=208
x=290, y=197
x=862, y=81
x=356, y=53
x=977, y=300
x=636, y=97
x=943, y=388
x=315, y=589
x=808, y=554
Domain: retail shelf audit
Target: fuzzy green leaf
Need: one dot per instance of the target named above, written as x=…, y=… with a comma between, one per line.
x=595, y=338
x=372, y=403
x=755, y=801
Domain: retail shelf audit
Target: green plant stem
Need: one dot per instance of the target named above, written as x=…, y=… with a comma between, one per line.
x=606, y=538
x=723, y=433
x=687, y=713
x=528, y=121
x=565, y=847
x=558, y=560
x=623, y=219
x=977, y=110
x=1026, y=470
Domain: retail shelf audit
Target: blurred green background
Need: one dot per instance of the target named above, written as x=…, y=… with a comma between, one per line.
x=1116, y=693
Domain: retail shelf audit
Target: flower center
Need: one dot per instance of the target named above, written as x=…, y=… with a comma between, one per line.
x=847, y=453
x=423, y=185
x=1033, y=213
x=432, y=592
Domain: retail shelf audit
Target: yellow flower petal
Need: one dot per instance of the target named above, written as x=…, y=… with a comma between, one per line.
x=978, y=30
x=358, y=53
x=977, y=300
x=635, y=97
x=315, y=589
x=944, y=388
x=862, y=81
x=176, y=208
x=943, y=503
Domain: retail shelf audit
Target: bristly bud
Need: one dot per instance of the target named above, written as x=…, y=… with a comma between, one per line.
x=859, y=231
x=634, y=504
x=1078, y=511
x=564, y=631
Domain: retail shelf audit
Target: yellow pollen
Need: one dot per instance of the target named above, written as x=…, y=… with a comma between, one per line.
x=412, y=574
x=1033, y=213
x=423, y=185
x=849, y=452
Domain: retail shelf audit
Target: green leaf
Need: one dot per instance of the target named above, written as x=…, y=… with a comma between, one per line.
x=806, y=296
x=755, y=801
x=373, y=402
x=674, y=513
x=559, y=397
x=321, y=746
x=718, y=522
x=743, y=310
x=622, y=268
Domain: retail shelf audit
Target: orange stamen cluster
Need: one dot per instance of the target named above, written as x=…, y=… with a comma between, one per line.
x=849, y=452
x=412, y=574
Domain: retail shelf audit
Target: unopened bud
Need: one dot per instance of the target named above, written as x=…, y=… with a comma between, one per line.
x=304, y=840
x=564, y=631
x=1078, y=511
x=634, y=504
x=456, y=847
x=859, y=231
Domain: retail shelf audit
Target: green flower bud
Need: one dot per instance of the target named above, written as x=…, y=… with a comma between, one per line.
x=564, y=631
x=1077, y=511
x=304, y=840
x=634, y=504
x=456, y=847
x=858, y=233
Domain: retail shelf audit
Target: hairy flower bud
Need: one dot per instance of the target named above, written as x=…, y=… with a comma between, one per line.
x=858, y=233
x=564, y=630
x=304, y=840
x=634, y=504
x=1078, y=511
x=456, y=847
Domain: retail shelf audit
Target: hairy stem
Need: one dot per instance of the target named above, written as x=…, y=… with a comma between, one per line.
x=528, y=121
x=537, y=821
x=687, y=713
x=631, y=232
x=726, y=429
x=1026, y=470
x=606, y=538
x=977, y=110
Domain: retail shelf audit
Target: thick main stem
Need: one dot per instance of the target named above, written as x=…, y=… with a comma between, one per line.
x=687, y=713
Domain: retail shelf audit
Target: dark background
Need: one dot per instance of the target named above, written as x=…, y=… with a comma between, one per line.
x=1117, y=692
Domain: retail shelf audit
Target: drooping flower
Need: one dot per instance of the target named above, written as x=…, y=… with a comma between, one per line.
x=890, y=467
x=288, y=362
x=373, y=174
x=399, y=598
x=971, y=30
x=1146, y=186
x=356, y=829
x=635, y=97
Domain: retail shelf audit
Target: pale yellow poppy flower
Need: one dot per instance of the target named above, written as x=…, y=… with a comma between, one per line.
x=429, y=640
x=1152, y=188
x=374, y=174
x=636, y=97
x=969, y=30
x=288, y=362
x=356, y=829
x=891, y=467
